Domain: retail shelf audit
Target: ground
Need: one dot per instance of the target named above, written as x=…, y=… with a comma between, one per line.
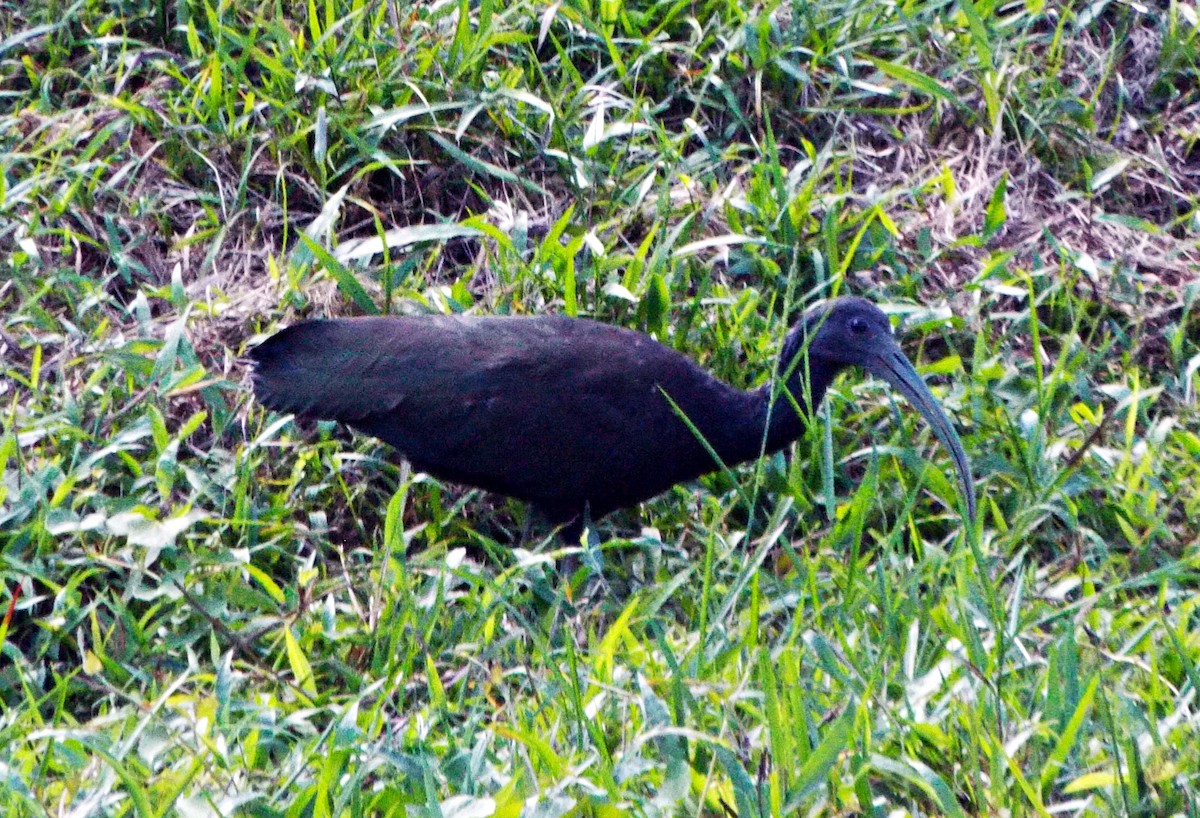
x=208, y=609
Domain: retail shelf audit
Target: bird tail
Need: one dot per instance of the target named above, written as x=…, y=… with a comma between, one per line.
x=309, y=369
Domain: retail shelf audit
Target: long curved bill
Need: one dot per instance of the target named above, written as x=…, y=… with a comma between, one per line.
x=890, y=364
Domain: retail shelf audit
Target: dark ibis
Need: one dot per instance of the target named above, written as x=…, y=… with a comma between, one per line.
x=569, y=414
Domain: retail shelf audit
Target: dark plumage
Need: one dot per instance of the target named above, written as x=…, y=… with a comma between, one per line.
x=568, y=413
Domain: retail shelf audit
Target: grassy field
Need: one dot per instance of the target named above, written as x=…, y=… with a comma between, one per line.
x=207, y=610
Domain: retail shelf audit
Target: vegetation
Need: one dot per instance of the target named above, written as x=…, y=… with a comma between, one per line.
x=205, y=610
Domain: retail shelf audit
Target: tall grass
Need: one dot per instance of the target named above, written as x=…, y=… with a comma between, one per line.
x=208, y=610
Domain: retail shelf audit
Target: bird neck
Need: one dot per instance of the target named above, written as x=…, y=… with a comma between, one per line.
x=741, y=426
x=776, y=423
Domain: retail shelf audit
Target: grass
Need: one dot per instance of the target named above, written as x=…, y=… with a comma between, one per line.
x=207, y=611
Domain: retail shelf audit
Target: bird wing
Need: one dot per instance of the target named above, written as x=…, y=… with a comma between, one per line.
x=543, y=408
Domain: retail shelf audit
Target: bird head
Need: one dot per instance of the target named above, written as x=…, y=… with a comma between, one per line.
x=852, y=331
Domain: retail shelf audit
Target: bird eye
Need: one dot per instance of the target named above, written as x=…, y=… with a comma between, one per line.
x=858, y=325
